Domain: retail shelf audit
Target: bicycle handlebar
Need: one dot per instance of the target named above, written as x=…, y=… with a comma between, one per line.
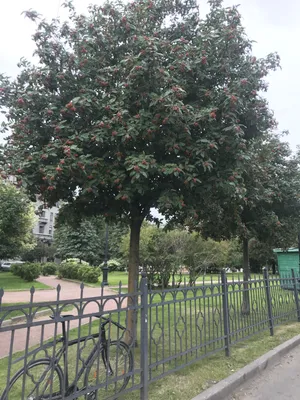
x=107, y=320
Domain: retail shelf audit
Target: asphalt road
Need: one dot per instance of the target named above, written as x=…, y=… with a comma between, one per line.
x=281, y=382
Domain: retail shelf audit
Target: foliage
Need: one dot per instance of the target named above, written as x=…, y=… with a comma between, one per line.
x=16, y=221
x=15, y=269
x=125, y=130
x=27, y=271
x=205, y=256
x=234, y=256
x=82, y=272
x=114, y=265
x=74, y=261
x=134, y=106
x=86, y=239
x=260, y=255
x=68, y=270
x=166, y=252
x=89, y=274
x=269, y=205
x=49, y=269
x=40, y=251
x=80, y=242
x=156, y=257
x=116, y=231
x=268, y=209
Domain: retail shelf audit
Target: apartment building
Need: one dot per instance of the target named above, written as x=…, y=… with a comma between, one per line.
x=45, y=225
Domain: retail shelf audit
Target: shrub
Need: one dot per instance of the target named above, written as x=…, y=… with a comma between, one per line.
x=49, y=269
x=90, y=274
x=75, y=261
x=81, y=272
x=15, y=269
x=114, y=265
x=212, y=268
x=68, y=270
x=84, y=273
x=30, y=271
x=27, y=271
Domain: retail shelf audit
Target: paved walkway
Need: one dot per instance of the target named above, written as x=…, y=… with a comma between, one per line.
x=69, y=290
x=281, y=382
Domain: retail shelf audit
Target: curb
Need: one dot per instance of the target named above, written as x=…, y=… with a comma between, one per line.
x=228, y=385
x=79, y=282
x=19, y=319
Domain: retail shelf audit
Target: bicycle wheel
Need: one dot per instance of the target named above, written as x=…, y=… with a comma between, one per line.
x=110, y=367
x=40, y=382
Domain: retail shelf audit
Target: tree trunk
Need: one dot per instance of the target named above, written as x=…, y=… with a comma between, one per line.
x=133, y=275
x=273, y=267
x=246, y=269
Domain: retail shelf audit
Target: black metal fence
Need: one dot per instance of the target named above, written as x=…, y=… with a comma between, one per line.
x=87, y=351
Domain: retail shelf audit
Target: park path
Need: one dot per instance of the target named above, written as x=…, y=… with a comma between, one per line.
x=281, y=382
x=69, y=291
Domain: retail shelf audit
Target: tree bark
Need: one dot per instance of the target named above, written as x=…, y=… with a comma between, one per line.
x=133, y=275
x=246, y=269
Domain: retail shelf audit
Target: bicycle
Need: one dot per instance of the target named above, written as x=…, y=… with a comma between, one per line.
x=48, y=381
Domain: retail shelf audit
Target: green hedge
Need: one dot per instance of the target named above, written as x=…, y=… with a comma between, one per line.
x=28, y=271
x=84, y=272
x=49, y=269
x=114, y=265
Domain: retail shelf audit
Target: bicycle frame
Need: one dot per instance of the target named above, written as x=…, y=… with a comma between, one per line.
x=101, y=346
x=102, y=342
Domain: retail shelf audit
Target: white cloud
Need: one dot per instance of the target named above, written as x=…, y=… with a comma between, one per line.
x=273, y=24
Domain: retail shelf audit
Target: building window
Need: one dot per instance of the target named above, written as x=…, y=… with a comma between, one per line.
x=43, y=214
x=51, y=217
x=41, y=229
x=50, y=231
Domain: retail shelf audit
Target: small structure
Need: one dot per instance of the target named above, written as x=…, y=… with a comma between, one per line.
x=288, y=260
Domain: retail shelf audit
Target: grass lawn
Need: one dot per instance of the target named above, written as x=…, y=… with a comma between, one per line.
x=10, y=282
x=114, y=278
x=200, y=376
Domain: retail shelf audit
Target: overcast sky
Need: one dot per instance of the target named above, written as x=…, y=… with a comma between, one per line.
x=273, y=24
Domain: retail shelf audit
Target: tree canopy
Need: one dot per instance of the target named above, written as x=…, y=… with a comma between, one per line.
x=269, y=203
x=16, y=221
x=86, y=240
x=82, y=242
x=133, y=106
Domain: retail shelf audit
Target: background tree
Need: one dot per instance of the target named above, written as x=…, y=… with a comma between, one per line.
x=135, y=106
x=261, y=255
x=85, y=239
x=39, y=251
x=164, y=253
x=204, y=256
x=83, y=242
x=268, y=207
x=16, y=221
x=234, y=255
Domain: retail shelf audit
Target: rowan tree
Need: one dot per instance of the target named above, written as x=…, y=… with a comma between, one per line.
x=134, y=106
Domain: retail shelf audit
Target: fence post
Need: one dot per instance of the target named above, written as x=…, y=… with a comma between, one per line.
x=269, y=301
x=144, y=337
x=225, y=313
x=296, y=294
